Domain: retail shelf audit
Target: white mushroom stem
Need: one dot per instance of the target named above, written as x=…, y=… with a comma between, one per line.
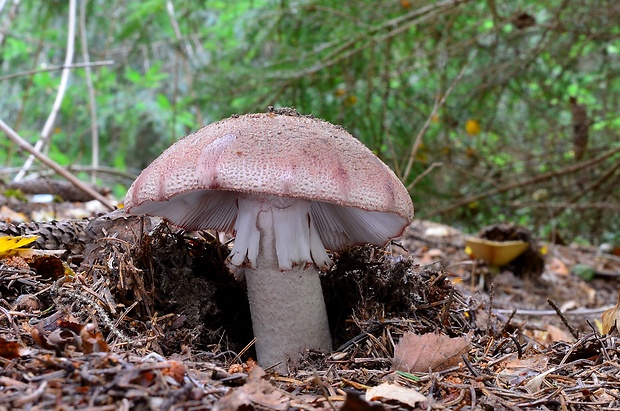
x=278, y=238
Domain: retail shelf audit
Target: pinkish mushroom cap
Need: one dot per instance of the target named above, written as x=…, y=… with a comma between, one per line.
x=295, y=181
x=196, y=183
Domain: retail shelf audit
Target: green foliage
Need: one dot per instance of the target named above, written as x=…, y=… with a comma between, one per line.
x=379, y=68
x=584, y=271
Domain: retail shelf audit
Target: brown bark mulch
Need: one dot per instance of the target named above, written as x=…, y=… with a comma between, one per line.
x=132, y=314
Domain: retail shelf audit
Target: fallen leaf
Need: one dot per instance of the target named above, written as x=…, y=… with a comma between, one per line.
x=49, y=267
x=10, y=216
x=611, y=317
x=395, y=392
x=93, y=341
x=557, y=334
x=550, y=335
x=515, y=371
x=57, y=332
x=354, y=402
x=255, y=394
x=534, y=384
x=9, y=349
x=436, y=352
x=9, y=244
x=558, y=267
x=431, y=256
x=176, y=370
x=27, y=302
x=17, y=262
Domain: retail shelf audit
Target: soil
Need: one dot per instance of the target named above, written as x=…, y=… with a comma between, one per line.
x=121, y=312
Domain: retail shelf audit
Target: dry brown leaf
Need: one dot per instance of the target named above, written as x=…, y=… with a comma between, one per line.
x=611, y=317
x=550, y=335
x=536, y=362
x=176, y=370
x=431, y=256
x=9, y=349
x=49, y=267
x=516, y=370
x=10, y=216
x=395, y=392
x=558, y=267
x=436, y=352
x=57, y=332
x=557, y=334
x=92, y=340
x=256, y=393
x=354, y=402
x=534, y=384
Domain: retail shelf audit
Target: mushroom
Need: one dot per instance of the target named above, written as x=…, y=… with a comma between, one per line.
x=496, y=253
x=288, y=186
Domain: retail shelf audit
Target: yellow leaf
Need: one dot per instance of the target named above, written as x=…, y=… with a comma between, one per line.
x=12, y=243
x=472, y=127
x=349, y=101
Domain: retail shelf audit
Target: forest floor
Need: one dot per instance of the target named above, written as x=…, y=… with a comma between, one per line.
x=120, y=313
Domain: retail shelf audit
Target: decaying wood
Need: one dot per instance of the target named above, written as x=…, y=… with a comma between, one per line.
x=60, y=188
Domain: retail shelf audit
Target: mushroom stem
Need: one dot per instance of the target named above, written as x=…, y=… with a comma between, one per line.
x=287, y=306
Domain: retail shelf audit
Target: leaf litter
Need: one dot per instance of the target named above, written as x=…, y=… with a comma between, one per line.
x=129, y=313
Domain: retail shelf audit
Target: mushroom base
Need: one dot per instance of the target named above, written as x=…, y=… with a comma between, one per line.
x=287, y=306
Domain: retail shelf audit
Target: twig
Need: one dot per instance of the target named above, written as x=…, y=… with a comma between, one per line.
x=563, y=318
x=55, y=68
x=79, y=168
x=531, y=181
x=537, y=313
x=64, y=79
x=9, y=19
x=243, y=351
x=10, y=320
x=592, y=188
x=177, y=30
x=427, y=123
x=360, y=42
x=53, y=165
x=597, y=335
x=94, y=129
x=321, y=385
x=424, y=173
x=564, y=205
x=31, y=397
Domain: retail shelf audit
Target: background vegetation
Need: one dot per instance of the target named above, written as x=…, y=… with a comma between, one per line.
x=488, y=110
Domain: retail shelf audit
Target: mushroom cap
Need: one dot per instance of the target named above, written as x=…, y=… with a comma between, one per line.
x=496, y=253
x=195, y=183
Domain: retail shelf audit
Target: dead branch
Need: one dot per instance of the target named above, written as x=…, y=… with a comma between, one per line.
x=94, y=130
x=24, y=145
x=64, y=80
x=531, y=181
x=55, y=68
